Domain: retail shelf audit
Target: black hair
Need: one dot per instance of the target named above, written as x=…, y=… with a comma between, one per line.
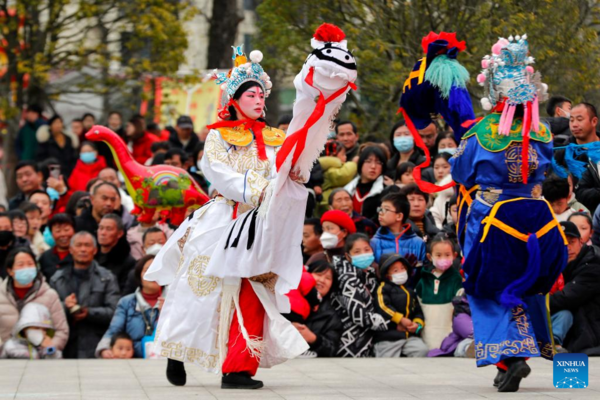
x=139, y=267
x=118, y=220
x=556, y=101
x=403, y=168
x=555, y=188
x=285, y=119
x=316, y=224
x=334, y=192
x=332, y=148
x=238, y=93
x=583, y=214
x=412, y=188
x=27, y=163
x=88, y=115
x=368, y=152
x=154, y=229
x=91, y=144
x=346, y=123
x=78, y=200
x=400, y=203
x=54, y=118
x=152, y=126
x=176, y=152
x=16, y=214
x=61, y=219
x=444, y=155
x=77, y=120
x=355, y=237
x=115, y=112
x=104, y=183
x=120, y=335
x=445, y=135
x=591, y=109
x=34, y=108
x=442, y=237
x=91, y=183
x=28, y=206
x=10, y=258
x=156, y=146
x=197, y=149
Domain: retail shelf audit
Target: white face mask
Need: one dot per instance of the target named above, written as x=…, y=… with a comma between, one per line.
x=154, y=249
x=400, y=278
x=329, y=240
x=198, y=164
x=35, y=336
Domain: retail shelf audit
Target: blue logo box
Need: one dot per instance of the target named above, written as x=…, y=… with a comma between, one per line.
x=571, y=371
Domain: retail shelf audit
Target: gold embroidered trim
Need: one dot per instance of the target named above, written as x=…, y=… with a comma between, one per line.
x=200, y=284
x=177, y=351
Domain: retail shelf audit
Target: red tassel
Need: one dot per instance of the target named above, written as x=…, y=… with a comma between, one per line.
x=525, y=150
x=427, y=187
x=329, y=33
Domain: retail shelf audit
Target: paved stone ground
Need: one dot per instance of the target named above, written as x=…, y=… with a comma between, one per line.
x=331, y=379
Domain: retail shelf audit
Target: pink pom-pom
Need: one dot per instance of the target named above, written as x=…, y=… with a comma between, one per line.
x=485, y=64
x=481, y=78
x=497, y=48
x=529, y=69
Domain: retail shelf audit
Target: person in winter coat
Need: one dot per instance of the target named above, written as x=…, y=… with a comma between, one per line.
x=353, y=299
x=90, y=294
x=139, y=140
x=62, y=228
x=367, y=187
x=337, y=226
x=136, y=313
x=559, y=112
x=395, y=235
x=398, y=305
x=337, y=171
x=460, y=341
x=26, y=144
x=59, y=146
x=576, y=308
x=114, y=253
x=323, y=327
x=88, y=167
x=438, y=285
x=25, y=285
x=32, y=335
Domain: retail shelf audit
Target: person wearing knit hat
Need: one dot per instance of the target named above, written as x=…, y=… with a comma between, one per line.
x=337, y=225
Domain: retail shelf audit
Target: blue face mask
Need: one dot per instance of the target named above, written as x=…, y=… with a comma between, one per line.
x=363, y=261
x=404, y=144
x=48, y=238
x=450, y=150
x=88, y=157
x=53, y=193
x=26, y=275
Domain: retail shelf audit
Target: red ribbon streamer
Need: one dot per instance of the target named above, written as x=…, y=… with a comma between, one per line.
x=525, y=149
x=425, y=186
x=299, y=137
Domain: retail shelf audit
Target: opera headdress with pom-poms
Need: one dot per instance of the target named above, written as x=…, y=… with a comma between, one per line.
x=243, y=71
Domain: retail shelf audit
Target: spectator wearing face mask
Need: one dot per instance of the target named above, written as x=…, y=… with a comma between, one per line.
x=114, y=248
x=135, y=236
x=88, y=167
x=153, y=239
x=403, y=149
x=26, y=285
x=558, y=109
x=32, y=336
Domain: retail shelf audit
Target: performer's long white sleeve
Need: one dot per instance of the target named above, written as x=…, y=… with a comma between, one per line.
x=243, y=188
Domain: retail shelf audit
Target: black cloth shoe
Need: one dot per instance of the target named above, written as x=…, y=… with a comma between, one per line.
x=499, y=377
x=239, y=380
x=176, y=372
x=517, y=370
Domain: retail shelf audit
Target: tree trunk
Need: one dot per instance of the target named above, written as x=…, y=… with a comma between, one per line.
x=222, y=32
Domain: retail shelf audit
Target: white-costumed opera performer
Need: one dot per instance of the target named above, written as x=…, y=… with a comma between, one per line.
x=231, y=263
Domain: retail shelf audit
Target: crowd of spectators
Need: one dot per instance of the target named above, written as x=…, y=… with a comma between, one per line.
x=382, y=271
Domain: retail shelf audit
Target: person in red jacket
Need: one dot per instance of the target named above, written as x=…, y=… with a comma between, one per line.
x=88, y=167
x=138, y=140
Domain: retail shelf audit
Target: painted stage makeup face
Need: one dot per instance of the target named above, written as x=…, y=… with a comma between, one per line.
x=252, y=102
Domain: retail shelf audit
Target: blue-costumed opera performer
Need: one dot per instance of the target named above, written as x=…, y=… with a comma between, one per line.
x=230, y=265
x=506, y=224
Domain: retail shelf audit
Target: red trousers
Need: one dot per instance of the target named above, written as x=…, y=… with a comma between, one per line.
x=238, y=357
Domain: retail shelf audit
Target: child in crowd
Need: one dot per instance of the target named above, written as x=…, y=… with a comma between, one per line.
x=451, y=219
x=441, y=167
x=423, y=222
x=437, y=287
x=121, y=346
x=32, y=335
x=404, y=174
x=337, y=170
x=556, y=191
x=583, y=221
x=395, y=235
x=19, y=224
x=34, y=220
x=360, y=254
x=460, y=341
x=441, y=171
x=398, y=305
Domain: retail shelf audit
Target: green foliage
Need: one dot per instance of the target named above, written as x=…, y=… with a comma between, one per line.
x=385, y=36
